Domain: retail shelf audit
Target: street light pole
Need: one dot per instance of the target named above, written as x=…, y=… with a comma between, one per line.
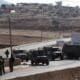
x=41, y=35
x=10, y=33
x=10, y=29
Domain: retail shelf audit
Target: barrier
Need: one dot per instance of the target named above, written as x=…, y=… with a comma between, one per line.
x=67, y=74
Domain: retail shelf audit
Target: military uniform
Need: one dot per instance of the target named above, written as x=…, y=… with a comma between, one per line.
x=3, y=69
x=11, y=63
x=1, y=65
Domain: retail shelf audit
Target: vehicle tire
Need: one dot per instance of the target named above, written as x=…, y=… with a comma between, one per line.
x=32, y=62
x=53, y=59
x=22, y=60
x=77, y=58
x=26, y=59
x=47, y=63
x=61, y=57
x=43, y=63
x=36, y=63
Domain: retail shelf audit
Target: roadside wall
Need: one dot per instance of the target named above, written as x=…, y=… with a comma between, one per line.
x=67, y=74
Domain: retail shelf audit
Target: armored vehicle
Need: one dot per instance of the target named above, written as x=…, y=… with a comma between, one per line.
x=53, y=53
x=57, y=54
x=71, y=51
x=21, y=54
x=38, y=57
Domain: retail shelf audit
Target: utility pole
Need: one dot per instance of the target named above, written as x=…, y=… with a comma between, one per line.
x=10, y=33
x=41, y=35
x=10, y=29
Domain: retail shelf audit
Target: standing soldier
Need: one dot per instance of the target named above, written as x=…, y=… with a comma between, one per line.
x=3, y=68
x=11, y=63
x=7, y=53
x=1, y=65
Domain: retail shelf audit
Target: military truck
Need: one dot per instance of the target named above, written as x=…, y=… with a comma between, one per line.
x=71, y=51
x=38, y=57
x=21, y=54
x=53, y=53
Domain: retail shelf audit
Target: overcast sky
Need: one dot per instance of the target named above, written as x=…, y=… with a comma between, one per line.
x=65, y=2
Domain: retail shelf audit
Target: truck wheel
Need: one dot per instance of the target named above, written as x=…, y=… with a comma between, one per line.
x=53, y=59
x=43, y=63
x=32, y=62
x=36, y=63
x=26, y=59
x=47, y=63
x=77, y=58
x=61, y=57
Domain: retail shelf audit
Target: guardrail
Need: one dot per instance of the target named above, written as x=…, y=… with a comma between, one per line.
x=67, y=74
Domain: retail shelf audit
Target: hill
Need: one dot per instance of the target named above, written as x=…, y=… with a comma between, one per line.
x=41, y=16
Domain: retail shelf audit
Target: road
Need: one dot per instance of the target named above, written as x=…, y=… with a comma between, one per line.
x=27, y=70
x=36, y=45
x=41, y=44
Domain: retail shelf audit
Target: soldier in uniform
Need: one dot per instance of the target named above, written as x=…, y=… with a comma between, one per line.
x=1, y=65
x=3, y=68
x=11, y=63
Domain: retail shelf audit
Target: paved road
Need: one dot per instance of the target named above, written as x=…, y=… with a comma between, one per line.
x=34, y=45
x=26, y=70
x=41, y=44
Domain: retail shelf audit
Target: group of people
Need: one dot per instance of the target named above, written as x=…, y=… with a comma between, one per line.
x=2, y=64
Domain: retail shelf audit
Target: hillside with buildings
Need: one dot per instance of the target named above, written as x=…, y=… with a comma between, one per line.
x=40, y=16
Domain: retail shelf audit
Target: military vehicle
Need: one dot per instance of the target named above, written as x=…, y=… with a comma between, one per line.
x=38, y=57
x=53, y=53
x=71, y=51
x=21, y=54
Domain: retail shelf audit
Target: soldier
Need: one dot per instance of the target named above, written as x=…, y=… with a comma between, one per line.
x=11, y=63
x=7, y=53
x=3, y=68
x=1, y=65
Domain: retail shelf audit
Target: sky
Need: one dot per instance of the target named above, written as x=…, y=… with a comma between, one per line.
x=65, y=2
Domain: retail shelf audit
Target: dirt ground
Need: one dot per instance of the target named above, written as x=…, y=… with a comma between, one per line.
x=29, y=36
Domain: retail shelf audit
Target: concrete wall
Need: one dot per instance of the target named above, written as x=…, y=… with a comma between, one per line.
x=67, y=74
